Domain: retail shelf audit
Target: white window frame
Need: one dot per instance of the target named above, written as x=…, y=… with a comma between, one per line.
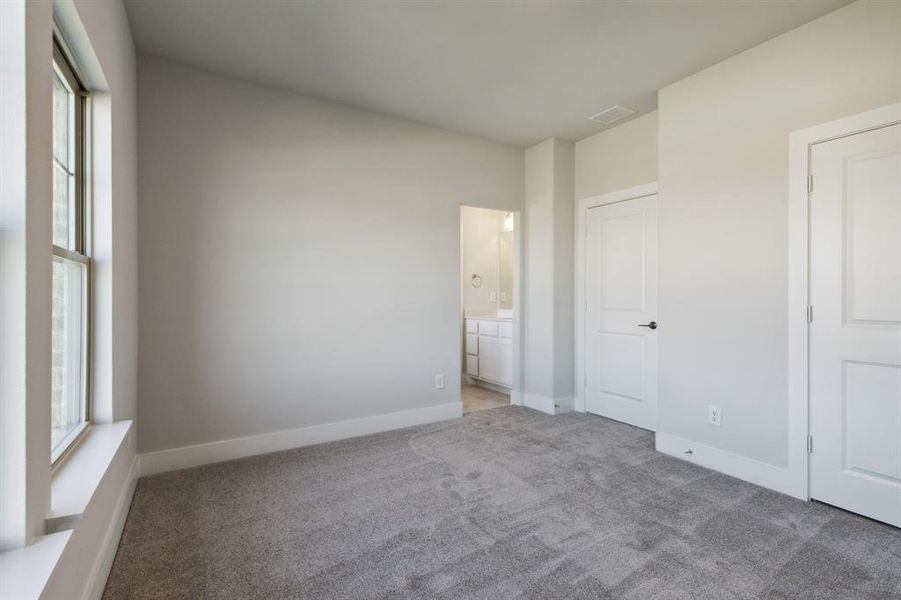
x=65, y=66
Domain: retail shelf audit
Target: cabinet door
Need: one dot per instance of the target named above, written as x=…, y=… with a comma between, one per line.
x=505, y=362
x=472, y=366
x=472, y=344
x=488, y=328
x=488, y=358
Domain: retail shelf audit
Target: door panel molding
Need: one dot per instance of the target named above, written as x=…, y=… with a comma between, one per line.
x=584, y=205
x=801, y=144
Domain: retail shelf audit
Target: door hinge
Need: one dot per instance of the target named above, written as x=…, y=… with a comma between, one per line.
x=809, y=444
x=586, y=304
x=810, y=313
x=809, y=183
x=585, y=380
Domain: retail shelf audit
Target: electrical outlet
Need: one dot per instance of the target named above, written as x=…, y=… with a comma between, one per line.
x=714, y=415
x=439, y=381
x=492, y=296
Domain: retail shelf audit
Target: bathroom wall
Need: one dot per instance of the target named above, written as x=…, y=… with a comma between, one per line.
x=481, y=231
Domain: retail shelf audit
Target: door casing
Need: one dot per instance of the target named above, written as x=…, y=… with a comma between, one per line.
x=800, y=145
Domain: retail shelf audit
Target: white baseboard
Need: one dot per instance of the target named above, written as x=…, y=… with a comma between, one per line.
x=564, y=404
x=538, y=402
x=516, y=397
x=96, y=583
x=579, y=403
x=213, y=452
x=740, y=467
x=546, y=404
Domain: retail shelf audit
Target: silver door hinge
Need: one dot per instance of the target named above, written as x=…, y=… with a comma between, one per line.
x=810, y=313
x=586, y=304
x=809, y=183
x=809, y=444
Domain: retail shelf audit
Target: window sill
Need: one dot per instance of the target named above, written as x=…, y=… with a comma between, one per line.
x=76, y=479
x=26, y=571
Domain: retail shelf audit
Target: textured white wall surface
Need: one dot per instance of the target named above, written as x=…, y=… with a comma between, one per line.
x=617, y=158
x=299, y=259
x=548, y=360
x=723, y=175
x=479, y=231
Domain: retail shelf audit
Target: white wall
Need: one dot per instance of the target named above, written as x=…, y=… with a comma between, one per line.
x=564, y=271
x=479, y=231
x=101, y=41
x=617, y=158
x=723, y=175
x=548, y=344
x=299, y=259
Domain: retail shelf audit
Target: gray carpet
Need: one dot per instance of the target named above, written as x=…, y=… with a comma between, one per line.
x=506, y=503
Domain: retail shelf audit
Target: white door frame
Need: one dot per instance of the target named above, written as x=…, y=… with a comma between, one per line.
x=639, y=191
x=800, y=146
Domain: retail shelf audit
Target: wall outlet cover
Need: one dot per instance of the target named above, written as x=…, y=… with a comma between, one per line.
x=439, y=381
x=714, y=415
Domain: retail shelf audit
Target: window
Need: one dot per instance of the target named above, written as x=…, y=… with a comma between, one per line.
x=71, y=263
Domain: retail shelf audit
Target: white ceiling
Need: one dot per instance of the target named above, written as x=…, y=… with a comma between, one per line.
x=512, y=71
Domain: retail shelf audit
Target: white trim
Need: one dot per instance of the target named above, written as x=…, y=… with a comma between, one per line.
x=96, y=583
x=516, y=389
x=212, y=452
x=24, y=572
x=544, y=404
x=741, y=467
x=78, y=478
x=800, y=143
x=564, y=404
x=639, y=191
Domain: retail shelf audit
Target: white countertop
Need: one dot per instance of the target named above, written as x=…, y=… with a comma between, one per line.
x=488, y=318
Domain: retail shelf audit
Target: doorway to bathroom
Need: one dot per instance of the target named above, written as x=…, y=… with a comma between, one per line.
x=489, y=325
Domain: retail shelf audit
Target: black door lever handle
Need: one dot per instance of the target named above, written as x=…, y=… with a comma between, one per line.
x=651, y=325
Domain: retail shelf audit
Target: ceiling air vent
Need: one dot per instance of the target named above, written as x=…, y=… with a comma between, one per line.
x=612, y=114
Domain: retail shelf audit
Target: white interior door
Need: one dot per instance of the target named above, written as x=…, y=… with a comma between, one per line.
x=621, y=303
x=855, y=332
